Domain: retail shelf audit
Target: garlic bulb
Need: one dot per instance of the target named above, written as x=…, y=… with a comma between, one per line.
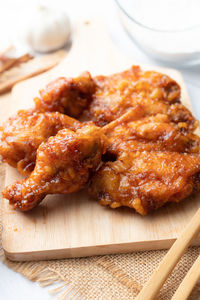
x=49, y=30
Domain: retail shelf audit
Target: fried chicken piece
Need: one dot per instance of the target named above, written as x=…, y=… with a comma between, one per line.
x=102, y=99
x=66, y=95
x=154, y=92
x=153, y=133
x=164, y=130
x=146, y=181
x=63, y=166
x=149, y=162
x=23, y=133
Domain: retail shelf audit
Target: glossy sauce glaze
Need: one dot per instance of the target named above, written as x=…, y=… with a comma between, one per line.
x=145, y=156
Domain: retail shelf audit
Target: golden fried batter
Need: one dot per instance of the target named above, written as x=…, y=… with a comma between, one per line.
x=147, y=180
x=154, y=92
x=150, y=133
x=23, y=133
x=66, y=95
x=153, y=162
x=63, y=166
x=102, y=99
x=150, y=155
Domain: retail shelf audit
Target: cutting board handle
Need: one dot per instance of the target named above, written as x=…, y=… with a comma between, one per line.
x=91, y=33
x=92, y=36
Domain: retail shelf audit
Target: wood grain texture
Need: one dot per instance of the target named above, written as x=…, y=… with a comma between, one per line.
x=75, y=225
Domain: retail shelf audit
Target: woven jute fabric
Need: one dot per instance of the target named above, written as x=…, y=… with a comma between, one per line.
x=104, y=277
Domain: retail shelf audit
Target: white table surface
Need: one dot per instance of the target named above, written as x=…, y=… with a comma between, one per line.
x=14, y=286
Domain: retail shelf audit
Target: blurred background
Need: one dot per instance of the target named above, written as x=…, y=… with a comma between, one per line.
x=151, y=32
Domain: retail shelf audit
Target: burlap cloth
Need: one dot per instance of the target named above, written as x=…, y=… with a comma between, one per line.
x=104, y=277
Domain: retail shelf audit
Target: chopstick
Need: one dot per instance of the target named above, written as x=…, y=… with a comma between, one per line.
x=154, y=284
x=188, y=282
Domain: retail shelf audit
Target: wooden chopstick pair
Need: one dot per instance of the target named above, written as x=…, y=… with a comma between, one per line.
x=154, y=284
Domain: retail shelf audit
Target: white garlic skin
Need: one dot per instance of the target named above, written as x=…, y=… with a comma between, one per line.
x=49, y=30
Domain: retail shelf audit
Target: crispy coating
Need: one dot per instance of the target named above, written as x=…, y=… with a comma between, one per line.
x=150, y=156
x=102, y=99
x=23, y=133
x=146, y=180
x=154, y=92
x=153, y=162
x=63, y=166
x=66, y=95
x=150, y=134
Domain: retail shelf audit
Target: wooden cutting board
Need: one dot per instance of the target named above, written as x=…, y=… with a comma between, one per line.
x=74, y=225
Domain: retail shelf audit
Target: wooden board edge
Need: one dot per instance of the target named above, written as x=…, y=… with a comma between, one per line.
x=92, y=250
